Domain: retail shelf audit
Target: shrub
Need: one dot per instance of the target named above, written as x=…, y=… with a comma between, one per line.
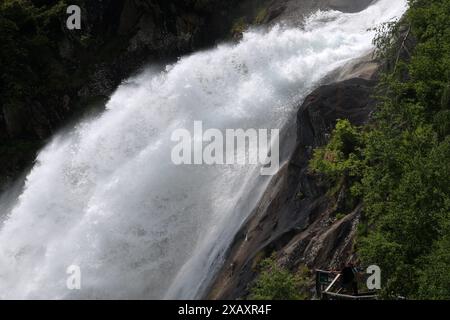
x=277, y=283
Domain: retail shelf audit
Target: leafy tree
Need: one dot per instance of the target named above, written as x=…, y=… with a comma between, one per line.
x=341, y=157
x=434, y=278
x=277, y=283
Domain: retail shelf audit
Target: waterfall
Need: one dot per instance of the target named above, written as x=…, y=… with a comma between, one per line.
x=105, y=195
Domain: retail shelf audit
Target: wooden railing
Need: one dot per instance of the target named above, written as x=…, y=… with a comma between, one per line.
x=328, y=287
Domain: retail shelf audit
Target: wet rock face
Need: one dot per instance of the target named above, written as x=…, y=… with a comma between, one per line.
x=293, y=11
x=344, y=100
x=349, y=5
x=143, y=31
x=296, y=218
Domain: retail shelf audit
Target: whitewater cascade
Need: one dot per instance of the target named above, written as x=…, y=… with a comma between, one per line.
x=106, y=197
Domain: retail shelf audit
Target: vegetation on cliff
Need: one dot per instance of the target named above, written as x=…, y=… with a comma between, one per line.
x=278, y=283
x=398, y=165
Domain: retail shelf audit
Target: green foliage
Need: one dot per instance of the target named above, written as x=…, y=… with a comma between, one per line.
x=434, y=279
x=277, y=283
x=341, y=157
x=400, y=162
x=385, y=39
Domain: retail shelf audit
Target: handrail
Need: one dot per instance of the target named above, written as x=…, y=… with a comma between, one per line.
x=333, y=283
x=347, y=296
x=323, y=271
x=333, y=290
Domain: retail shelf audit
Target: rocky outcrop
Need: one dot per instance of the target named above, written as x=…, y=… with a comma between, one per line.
x=297, y=216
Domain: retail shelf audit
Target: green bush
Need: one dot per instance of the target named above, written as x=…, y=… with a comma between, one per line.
x=341, y=157
x=277, y=283
x=434, y=278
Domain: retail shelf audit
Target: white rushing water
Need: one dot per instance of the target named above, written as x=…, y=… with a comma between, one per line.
x=106, y=197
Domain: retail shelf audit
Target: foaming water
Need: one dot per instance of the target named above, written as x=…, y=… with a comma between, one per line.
x=106, y=196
